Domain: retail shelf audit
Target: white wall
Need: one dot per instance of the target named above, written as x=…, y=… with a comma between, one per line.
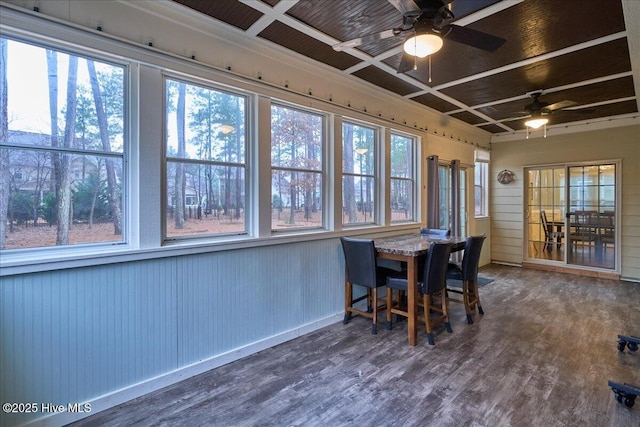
x=604, y=144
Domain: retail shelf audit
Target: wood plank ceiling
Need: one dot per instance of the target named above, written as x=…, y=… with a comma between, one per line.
x=571, y=49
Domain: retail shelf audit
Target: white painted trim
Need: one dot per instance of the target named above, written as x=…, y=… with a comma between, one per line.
x=566, y=128
x=118, y=397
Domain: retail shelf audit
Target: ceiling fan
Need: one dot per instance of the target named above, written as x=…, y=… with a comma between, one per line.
x=427, y=22
x=537, y=110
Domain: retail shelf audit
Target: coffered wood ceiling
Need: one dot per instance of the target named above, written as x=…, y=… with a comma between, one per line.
x=571, y=49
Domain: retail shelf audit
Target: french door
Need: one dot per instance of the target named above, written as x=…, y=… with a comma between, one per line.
x=571, y=215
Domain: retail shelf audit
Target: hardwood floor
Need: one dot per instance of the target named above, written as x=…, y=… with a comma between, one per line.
x=540, y=356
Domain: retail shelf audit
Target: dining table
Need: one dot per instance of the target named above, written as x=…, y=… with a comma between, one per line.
x=408, y=248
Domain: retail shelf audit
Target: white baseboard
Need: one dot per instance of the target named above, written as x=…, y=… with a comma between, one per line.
x=136, y=390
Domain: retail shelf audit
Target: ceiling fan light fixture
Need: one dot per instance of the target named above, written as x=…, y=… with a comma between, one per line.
x=536, y=123
x=422, y=45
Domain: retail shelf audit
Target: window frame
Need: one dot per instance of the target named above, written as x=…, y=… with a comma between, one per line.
x=43, y=254
x=413, y=140
x=248, y=189
x=144, y=134
x=375, y=209
x=324, y=196
x=483, y=187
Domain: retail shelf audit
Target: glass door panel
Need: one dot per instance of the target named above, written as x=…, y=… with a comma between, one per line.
x=591, y=237
x=545, y=213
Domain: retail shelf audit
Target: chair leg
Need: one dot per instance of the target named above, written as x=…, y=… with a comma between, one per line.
x=466, y=300
x=426, y=304
x=445, y=310
x=389, y=305
x=374, y=327
x=477, y=297
x=369, y=306
x=348, y=301
x=430, y=339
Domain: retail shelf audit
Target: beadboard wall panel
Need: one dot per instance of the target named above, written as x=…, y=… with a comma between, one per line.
x=78, y=334
x=72, y=335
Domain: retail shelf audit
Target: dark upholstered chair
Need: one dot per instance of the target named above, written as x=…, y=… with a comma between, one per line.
x=467, y=273
x=361, y=270
x=436, y=231
x=432, y=288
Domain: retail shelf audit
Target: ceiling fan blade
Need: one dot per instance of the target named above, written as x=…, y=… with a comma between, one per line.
x=472, y=38
x=368, y=38
x=560, y=105
x=408, y=8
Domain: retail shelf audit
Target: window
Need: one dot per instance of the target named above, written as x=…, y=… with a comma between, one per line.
x=481, y=184
x=444, y=173
x=205, y=161
x=358, y=174
x=402, y=192
x=297, y=143
x=65, y=116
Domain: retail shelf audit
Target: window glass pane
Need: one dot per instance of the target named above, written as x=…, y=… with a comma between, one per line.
x=296, y=199
x=402, y=178
x=358, y=206
x=358, y=166
x=210, y=123
x=296, y=138
x=213, y=200
x=401, y=157
x=445, y=191
x=205, y=195
x=481, y=173
x=401, y=199
x=297, y=143
x=63, y=156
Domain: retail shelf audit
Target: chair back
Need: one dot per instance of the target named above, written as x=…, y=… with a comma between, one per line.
x=360, y=260
x=436, y=231
x=545, y=223
x=435, y=267
x=471, y=257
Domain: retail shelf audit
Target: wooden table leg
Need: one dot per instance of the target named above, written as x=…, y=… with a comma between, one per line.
x=412, y=279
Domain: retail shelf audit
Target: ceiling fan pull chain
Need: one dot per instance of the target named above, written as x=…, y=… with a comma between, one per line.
x=429, y=68
x=415, y=49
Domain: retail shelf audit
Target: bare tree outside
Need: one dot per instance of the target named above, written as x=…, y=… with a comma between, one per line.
x=296, y=164
x=205, y=168
x=114, y=198
x=180, y=177
x=64, y=197
x=62, y=148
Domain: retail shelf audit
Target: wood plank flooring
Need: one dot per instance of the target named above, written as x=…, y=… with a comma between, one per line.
x=540, y=356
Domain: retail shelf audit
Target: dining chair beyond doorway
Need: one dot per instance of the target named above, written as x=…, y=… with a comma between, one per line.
x=431, y=286
x=551, y=236
x=362, y=270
